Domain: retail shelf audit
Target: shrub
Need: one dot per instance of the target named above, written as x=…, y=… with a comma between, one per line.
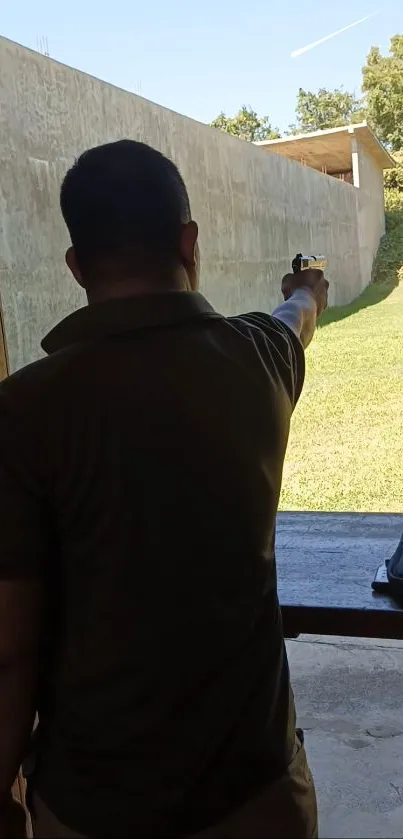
x=393, y=178
x=394, y=200
x=388, y=265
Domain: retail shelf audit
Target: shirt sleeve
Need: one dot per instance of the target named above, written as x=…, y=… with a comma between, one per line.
x=23, y=527
x=280, y=348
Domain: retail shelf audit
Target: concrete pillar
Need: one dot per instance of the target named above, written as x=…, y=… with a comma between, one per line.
x=355, y=159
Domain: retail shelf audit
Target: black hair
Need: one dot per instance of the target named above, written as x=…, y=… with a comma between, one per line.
x=125, y=202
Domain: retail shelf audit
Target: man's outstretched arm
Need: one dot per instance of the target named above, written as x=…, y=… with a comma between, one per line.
x=305, y=296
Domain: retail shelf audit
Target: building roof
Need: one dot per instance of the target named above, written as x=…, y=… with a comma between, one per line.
x=330, y=149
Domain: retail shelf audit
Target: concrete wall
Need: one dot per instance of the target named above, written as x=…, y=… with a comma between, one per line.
x=255, y=210
x=370, y=210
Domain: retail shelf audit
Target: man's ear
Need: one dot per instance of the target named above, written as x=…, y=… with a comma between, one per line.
x=188, y=244
x=71, y=262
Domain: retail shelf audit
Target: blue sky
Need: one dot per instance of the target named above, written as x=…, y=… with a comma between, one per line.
x=201, y=58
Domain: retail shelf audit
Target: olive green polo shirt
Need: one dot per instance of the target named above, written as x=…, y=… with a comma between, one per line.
x=140, y=473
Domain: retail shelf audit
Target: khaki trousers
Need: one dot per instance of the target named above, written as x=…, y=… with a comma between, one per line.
x=284, y=810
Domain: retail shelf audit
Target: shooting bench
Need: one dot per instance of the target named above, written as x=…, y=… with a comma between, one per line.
x=325, y=565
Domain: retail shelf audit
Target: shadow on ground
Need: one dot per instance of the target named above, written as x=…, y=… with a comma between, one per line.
x=371, y=296
x=348, y=696
x=387, y=272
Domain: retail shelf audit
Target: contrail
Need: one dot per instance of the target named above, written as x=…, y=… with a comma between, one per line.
x=308, y=47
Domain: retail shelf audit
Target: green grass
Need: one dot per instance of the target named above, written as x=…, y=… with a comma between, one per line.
x=346, y=442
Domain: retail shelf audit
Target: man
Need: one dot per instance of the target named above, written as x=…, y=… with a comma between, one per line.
x=140, y=474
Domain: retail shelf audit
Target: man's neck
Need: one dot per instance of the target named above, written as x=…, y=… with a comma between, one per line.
x=132, y=287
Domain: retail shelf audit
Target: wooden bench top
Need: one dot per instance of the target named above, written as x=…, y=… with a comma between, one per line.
x=325, y=565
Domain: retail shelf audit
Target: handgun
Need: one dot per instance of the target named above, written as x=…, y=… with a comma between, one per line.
x=302, y=263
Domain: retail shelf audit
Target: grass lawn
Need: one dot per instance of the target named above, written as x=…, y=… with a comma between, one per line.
x=346, y=442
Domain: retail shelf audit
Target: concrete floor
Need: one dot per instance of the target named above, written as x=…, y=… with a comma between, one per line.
x=349, y=696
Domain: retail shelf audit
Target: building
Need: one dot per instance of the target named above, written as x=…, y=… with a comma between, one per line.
x=353, y=154
x=339, y=152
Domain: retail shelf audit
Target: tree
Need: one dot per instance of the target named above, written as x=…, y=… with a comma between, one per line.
x=383, y=85
x=326, y=109
x=393, y=180
x=247, y=125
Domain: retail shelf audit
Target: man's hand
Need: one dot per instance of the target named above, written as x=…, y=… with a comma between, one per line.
x=313, y=280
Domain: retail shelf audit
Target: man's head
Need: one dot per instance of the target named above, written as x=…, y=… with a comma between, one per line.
x=128, y=214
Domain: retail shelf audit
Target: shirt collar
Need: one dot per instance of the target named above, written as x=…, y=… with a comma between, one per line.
x=125, y=315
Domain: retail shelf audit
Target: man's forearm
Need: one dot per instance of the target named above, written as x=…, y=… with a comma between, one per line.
x=299, y=313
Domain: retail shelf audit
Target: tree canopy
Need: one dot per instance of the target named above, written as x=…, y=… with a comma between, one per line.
x=247, y=125
x=383, y=85
x=381, y=106
x=326, y=109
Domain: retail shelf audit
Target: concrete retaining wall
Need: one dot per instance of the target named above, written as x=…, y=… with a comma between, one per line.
x=255, y=210
x=370, y=211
